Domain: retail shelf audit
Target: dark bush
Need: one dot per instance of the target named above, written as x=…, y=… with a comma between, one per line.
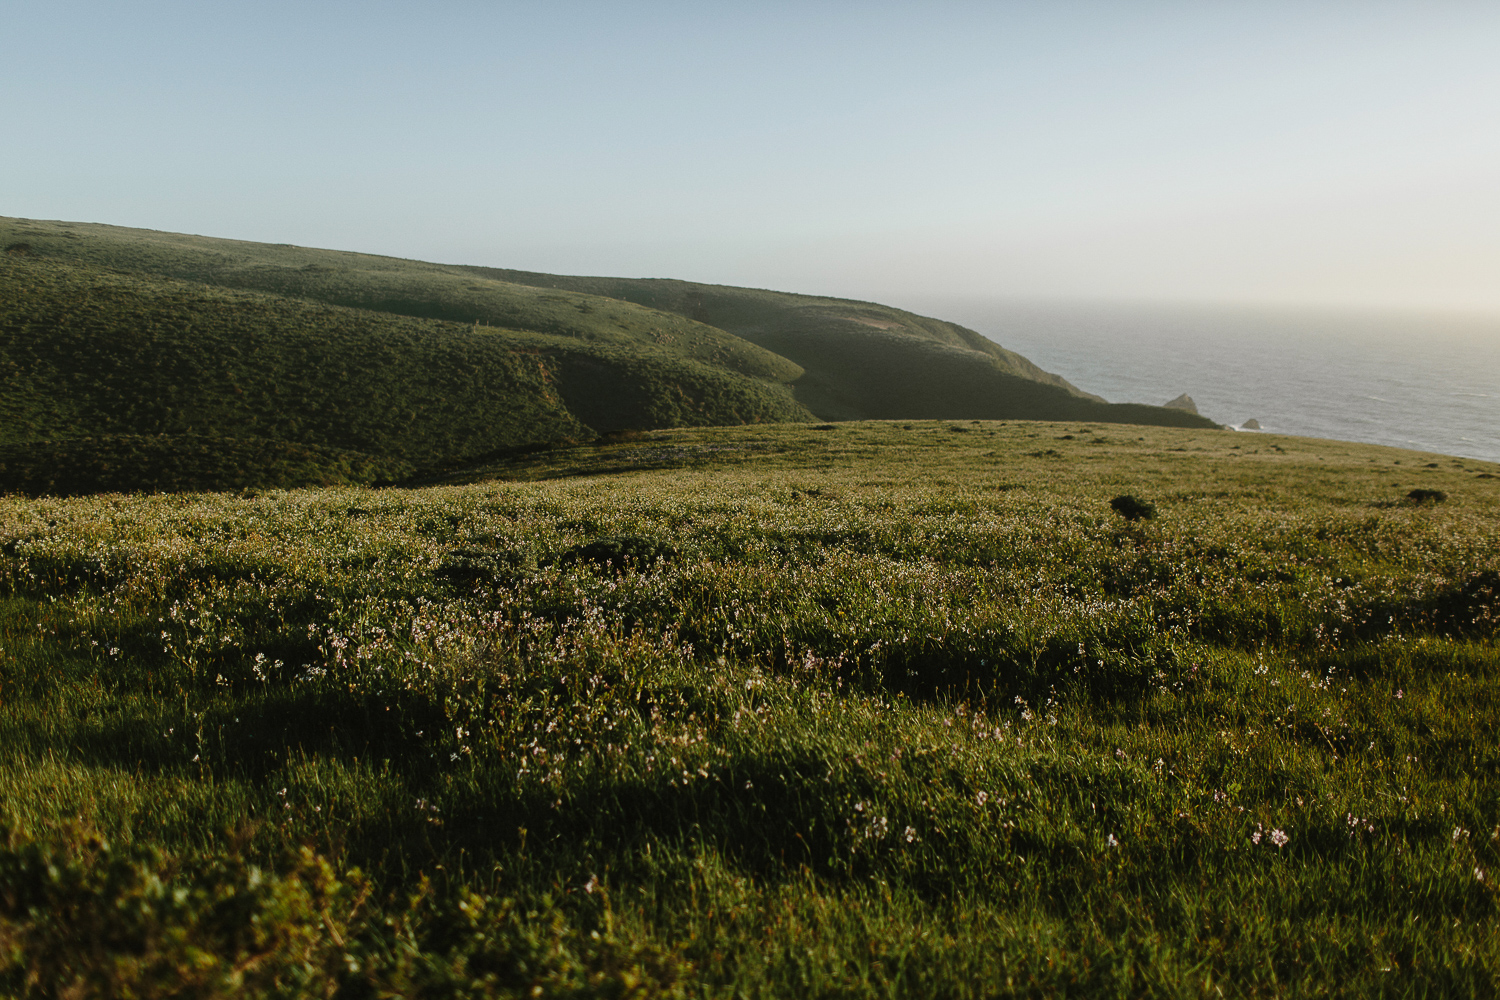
x=482, y=565
x=1426, y=496
x=1133, y=508
x=619, y=551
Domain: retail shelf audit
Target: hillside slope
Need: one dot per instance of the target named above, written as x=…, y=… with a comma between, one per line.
x=846, y=359
x=842, y=343
x=390, y=285
x=86, y=353
x=120, y=335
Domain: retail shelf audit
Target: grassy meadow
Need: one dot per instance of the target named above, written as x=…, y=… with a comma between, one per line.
x=872, y=709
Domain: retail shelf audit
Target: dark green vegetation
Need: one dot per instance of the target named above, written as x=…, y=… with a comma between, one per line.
x=175, y=463
x=1133, y=508
x=376, y=367
x=878, y=710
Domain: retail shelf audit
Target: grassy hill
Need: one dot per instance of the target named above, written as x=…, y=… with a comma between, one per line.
x=868, y=361
x=87, y=353
x=114, y=333
x=388, y=285
x=846, y=341
x=862, y=710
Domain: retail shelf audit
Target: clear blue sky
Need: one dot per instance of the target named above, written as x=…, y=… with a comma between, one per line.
x=1272, y=152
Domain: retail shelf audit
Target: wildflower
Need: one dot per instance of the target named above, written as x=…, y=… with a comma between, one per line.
x=591, y=884
x=1279, y=838
x=1399, y=694
x=982, y=797
x=1112, y=842
x=911, y=836
x=1255, y=837
x=1479, y=874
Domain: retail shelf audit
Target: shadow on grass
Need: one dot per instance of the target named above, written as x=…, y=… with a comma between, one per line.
x=252, y=736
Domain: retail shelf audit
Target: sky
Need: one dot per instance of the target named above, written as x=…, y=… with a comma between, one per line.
x=1342, y=154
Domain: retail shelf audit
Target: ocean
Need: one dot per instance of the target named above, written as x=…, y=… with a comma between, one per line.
x=1428, y=382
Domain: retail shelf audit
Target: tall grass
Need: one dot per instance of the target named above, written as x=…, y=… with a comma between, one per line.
x=881, y=710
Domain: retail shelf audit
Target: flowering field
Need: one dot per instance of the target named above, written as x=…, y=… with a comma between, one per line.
x=867, y=709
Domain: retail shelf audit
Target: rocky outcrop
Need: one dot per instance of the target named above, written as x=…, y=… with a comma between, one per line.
x=1183, y=402
x=1250, y=425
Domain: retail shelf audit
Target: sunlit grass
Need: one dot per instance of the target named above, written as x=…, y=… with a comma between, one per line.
x=892, y=711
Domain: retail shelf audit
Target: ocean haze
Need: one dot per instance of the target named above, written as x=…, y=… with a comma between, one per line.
x=1429, y=382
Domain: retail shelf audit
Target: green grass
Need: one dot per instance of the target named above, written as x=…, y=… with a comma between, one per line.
x=111, y=333
x=897, y=709
x=182, y=463
x=91, y=354
x=389, y=285
x=864, y=360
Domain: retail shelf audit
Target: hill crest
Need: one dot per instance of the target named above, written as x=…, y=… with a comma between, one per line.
x=112, y=334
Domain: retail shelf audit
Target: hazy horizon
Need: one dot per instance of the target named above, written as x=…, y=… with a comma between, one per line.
x=1422, y=380
x=1343, y=155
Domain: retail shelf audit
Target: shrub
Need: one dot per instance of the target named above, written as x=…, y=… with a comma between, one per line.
x=1133, y=508
x=471, y=565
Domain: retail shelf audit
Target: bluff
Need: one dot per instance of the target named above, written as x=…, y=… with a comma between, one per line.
x=124, y=351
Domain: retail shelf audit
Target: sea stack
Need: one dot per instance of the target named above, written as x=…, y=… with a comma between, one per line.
x=1183, y=402
x=1250, y=425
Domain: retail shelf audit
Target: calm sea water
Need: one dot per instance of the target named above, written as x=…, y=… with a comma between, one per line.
x=1426, y=382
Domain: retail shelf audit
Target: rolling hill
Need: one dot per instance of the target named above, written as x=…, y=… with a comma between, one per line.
x=127, y=354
